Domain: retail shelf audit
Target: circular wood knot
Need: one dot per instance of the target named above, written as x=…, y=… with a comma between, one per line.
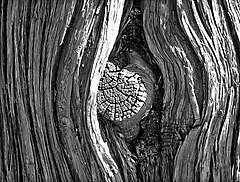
x=124, y=96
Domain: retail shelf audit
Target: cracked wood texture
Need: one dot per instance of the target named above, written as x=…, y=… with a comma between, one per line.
x=121, y=93
x=62, y=60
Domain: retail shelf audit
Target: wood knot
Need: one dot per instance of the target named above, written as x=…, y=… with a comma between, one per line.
x=124, y=96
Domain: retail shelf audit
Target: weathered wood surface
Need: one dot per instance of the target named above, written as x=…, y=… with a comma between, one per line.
x=52, y=56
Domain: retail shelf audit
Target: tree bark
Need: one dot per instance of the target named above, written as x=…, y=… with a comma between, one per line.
x=52, y=57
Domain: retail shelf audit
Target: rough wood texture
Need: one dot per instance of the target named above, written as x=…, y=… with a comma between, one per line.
x=52, y=57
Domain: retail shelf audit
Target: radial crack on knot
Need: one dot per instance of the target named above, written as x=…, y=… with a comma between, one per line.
x=121, y=93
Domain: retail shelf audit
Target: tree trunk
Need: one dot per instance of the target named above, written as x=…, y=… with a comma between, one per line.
x=58, y=124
